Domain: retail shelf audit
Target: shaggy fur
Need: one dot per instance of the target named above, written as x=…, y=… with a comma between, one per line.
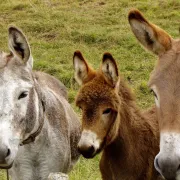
x=131, y=140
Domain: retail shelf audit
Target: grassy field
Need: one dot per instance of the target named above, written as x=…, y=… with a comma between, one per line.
x=55, y=29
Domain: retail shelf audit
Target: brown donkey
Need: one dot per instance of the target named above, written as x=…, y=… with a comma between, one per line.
x=112, y=123
x=165, y=82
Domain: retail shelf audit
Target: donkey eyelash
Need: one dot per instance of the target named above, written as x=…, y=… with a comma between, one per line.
x=107, y=111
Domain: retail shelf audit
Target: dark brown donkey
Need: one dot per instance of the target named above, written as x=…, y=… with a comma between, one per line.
x=112, y=123
x=165, y=82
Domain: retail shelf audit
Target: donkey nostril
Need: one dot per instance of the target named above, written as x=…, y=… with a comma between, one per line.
x=8, y=152
x=178, y=168
x=157, y=163
x=91, y=150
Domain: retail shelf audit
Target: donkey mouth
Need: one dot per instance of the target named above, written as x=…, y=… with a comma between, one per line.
x=90, y=155
x=87, y=154
x=173, y=178
x=6, y=166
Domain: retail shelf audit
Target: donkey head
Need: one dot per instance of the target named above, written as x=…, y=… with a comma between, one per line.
x=19, y=109
x=98, y=100
x=165, y=83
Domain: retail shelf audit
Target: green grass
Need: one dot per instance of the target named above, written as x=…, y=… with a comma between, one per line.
x=55, y=29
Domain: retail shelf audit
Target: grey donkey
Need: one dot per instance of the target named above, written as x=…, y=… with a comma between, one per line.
x=39, y=130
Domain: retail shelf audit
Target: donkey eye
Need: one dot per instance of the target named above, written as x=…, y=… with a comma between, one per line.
x=107, y=111
x=23, y=95
x=155, y=95
x=80, y=108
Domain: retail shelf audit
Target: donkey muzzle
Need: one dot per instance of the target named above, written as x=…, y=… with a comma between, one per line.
x=5, y=152
x=87, y=151
x=168, y=167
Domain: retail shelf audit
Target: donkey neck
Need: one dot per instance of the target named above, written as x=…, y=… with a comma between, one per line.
x=131, y=153
x=134, y=124
x=136, y=134
x=131, y=118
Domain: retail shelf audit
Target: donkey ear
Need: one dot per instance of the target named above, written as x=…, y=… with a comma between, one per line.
x=19, y=46
x=109, y=69
x=150, y=36
x=82, y=71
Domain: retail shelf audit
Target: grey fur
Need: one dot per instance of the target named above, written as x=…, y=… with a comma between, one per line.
x=55, y=148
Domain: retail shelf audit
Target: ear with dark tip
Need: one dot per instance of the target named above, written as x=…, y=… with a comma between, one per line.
x=149, y=35
x=82, y=71
x=19, y=46
x=109, y=69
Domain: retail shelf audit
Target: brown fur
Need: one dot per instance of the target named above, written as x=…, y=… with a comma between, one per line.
x=130, y=142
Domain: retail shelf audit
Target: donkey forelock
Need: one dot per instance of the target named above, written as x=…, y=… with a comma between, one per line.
x=96, y=91
x=165, y=83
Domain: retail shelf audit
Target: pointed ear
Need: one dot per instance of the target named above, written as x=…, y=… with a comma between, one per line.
x=150, y=36
x=19, y=46
x=109, y=69
x=82, y=71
